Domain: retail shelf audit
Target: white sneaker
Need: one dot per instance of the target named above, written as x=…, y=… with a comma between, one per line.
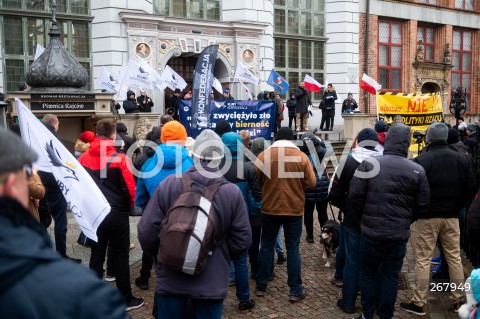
x=109, y=278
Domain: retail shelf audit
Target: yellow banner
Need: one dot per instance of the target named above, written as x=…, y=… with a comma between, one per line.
x=417, y=111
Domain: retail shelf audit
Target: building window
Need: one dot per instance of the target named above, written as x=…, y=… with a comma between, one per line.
x=427, y=36
x=465, y=4
x=428, y=1
x=390, y=55
x=462, y=61
x=21, y=36
x=190, y=9
x=297, y=51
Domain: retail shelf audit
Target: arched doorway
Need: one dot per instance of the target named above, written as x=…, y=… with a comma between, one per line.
x=184, y=65
x=430, y=87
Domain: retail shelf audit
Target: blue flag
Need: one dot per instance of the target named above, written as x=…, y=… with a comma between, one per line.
x=278, y=82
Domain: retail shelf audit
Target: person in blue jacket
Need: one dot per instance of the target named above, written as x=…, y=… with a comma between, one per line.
x=171, y=157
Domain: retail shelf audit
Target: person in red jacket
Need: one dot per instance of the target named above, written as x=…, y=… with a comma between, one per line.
x=112, y=173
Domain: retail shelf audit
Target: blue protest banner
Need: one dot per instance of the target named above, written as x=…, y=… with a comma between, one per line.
x=257, y=117
x=276, y=81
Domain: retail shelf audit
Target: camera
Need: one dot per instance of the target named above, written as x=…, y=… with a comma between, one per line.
x=419, y=137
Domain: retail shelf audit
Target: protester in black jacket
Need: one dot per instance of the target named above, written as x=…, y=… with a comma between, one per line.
x=145, y=102
x=473, y=222
x=329, y=97
x=130, y=105
x=348, y=268
x=36, y=281
x=316, y=197
x=389, y=192
x=452, y=184
x=303, y=101
x=127, y=140
x=292, y=111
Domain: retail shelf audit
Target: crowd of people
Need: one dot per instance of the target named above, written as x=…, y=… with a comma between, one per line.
x=212, y=209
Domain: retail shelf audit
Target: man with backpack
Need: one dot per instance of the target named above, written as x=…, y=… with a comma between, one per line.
x=195, y=266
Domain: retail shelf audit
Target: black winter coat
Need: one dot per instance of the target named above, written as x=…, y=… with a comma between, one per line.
x=320, y=191
x=291, y=106
x=473, y=221
x=451, y=179
x=329, y=98
x=338, y=195
x=303, y=100
x=395, y=194
x=147, y=106
x=131, y=106
x=38, y=283
x=128, y=140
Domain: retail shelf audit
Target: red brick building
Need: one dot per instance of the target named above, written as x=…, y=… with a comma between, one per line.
x=421, y=46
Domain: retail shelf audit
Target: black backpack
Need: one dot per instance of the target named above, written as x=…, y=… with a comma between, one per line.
x=188, y=231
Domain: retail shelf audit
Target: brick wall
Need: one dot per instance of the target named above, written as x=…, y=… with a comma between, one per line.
x=443, y=35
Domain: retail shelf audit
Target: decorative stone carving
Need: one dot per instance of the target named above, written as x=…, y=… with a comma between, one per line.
x=419, y=54
x=447, y=59
x=143, y=48
x=247, y=53
x=165, y=45
x=177, y=51
x=226, y=49
x=142, y=127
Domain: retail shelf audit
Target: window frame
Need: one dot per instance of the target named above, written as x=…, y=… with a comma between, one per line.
x=158, y=4
x=460, y=70
x=427, y=44
x=390, y=44
x=463, y=6
x=27, y=58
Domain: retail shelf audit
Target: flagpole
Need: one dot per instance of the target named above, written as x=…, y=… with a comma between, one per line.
x=376, y=102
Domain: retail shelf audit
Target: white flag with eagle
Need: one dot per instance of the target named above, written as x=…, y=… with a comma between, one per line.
x=86, y=201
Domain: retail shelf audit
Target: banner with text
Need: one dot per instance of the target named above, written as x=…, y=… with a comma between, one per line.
x=202, y=86
x=257, y=117
x=417, y=110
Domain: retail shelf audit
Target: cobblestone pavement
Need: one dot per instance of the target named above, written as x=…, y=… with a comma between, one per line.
x=321, y=298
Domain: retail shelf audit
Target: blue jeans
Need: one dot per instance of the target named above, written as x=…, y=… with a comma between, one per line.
x=175, y=307
x=278, y=243
x=386, y=255
x=292, y=226
x=340, y=256
x=239, y=274
x=351, y=271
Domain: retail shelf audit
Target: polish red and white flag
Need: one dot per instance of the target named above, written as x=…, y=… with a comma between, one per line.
x=369, y=84
x=311, y=84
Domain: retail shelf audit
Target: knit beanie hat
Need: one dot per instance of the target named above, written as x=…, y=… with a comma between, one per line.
x=173, y=131
x=367, y=134
x=87, y=137
x=222, y=127
x=284, y=133
x=452, y=136
x=472, y=127
x=14, y=152
x=381, y=126
x=437, y=132
x=208, y=146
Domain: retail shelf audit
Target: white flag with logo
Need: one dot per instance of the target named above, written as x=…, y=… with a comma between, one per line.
x=137, y=75
x=217, y=85
x=108, y=80
x=38, y=51
x=86, y=201
x=172, y=80
x=244, y=74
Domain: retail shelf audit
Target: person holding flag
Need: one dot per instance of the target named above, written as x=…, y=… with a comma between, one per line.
x=303, y=101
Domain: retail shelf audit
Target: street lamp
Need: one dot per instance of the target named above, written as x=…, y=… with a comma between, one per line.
x=3, y=114
x=458, y=104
